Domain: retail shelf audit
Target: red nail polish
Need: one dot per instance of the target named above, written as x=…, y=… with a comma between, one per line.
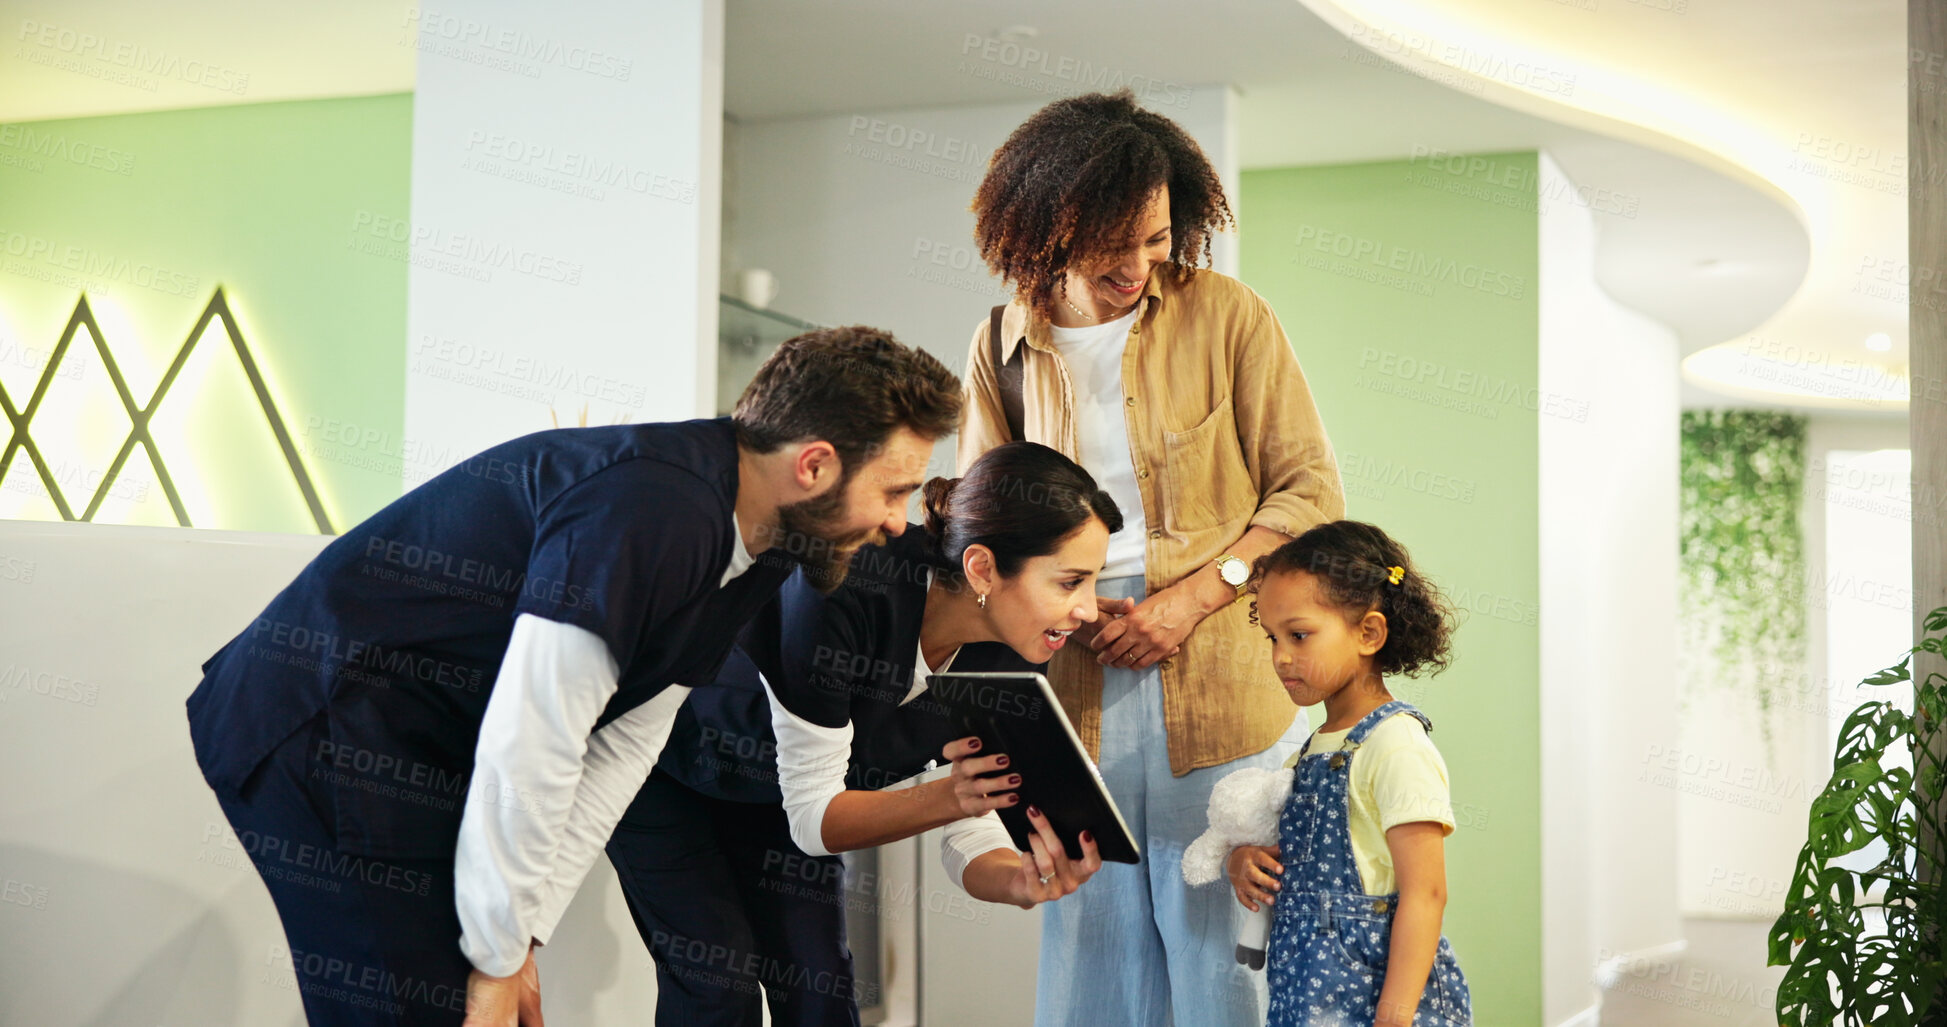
x=973, y=743
x=1087, y=837
x=1000, y=761
x=1033, y=812
x=1014, y=779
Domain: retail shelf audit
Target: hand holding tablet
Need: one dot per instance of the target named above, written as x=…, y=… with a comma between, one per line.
x=1016, y=717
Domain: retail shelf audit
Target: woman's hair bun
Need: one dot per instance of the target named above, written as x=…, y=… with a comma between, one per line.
x=935, y=495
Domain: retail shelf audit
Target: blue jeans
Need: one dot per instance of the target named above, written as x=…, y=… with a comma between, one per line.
x=1135, y=942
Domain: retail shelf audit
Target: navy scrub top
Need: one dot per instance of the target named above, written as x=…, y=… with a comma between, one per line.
x=397, y=629
x=849, y=656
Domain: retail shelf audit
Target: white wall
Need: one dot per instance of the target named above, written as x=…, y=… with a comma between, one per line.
x=126, y=898
x=123, y=897
x=1741, y=832
x=563, y=236
x=1608, y=629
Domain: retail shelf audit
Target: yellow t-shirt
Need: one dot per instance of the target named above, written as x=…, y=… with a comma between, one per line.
x=1398, y=778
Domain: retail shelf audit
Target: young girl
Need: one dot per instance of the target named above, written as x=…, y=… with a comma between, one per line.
x=1355, y=931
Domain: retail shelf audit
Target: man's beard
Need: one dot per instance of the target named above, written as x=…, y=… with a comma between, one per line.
x=808, y=531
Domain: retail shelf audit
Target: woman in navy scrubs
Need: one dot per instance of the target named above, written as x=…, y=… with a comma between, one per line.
x=727, y=855
x=425, y=739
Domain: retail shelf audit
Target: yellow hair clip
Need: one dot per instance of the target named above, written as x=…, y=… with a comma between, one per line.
x=1393, y=574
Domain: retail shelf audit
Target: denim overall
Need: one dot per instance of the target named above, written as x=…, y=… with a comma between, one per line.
x=1329, y=939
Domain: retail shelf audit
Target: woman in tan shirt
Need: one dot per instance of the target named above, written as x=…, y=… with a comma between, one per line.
x=1177, y=389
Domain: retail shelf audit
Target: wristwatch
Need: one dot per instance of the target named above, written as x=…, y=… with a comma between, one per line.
x=1235, y=572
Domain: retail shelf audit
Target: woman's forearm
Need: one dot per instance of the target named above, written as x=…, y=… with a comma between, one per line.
x=1409, y=959
x=992, y=877
x=861, y=820
x=1208, y=586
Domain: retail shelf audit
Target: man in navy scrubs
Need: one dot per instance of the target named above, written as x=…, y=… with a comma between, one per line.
x=428, y=736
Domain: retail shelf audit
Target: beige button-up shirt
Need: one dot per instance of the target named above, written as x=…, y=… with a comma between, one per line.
x=1224, y=435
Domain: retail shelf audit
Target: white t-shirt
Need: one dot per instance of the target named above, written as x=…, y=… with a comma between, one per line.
x=1093, y=354
x=1398, y=778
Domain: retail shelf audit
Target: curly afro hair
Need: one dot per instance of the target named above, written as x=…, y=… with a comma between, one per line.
x=1064, y=189
x=1353, y=563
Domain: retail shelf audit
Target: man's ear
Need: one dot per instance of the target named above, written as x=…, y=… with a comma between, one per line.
x=1372, y=632
x=816, y=465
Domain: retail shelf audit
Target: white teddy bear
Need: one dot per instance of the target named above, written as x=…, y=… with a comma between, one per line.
x=1244, y=810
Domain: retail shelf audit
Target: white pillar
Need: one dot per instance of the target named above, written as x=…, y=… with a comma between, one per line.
x=564, y=229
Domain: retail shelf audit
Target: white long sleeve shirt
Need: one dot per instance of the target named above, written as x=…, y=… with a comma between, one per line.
x=547, y=789
x=811, y=766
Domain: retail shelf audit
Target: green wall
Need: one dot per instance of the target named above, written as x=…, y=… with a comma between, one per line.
x=1412, y=309
x=149, y=214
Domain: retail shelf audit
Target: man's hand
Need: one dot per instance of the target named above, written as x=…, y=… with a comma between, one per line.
x=513, y=1001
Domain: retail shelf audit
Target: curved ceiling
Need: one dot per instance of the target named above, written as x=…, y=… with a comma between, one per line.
x=1798, y=99
x=1754, y=152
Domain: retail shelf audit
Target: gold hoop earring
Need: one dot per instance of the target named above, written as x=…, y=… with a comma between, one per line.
x=981, y=598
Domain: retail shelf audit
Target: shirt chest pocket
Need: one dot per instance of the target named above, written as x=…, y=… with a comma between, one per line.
x=1205, y=481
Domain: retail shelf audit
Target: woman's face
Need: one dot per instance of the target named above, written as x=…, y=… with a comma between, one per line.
x=1108, y=287
x=1052, y=595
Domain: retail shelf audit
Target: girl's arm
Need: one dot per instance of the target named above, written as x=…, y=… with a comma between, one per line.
x=1420, y=864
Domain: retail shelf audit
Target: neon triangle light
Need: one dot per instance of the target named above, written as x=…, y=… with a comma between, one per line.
x=21, y=441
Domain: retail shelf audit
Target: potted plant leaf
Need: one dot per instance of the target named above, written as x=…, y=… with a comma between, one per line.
x=1864, y=947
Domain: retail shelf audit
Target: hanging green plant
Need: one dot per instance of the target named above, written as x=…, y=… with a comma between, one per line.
x=1742, y=560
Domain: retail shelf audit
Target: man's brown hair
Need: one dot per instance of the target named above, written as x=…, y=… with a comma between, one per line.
x=850, y=386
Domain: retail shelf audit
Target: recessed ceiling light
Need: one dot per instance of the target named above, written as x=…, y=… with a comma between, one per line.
x=1879, y=342
x=1017, y=33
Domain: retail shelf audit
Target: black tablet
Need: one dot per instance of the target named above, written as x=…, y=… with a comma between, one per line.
x=1017, y=714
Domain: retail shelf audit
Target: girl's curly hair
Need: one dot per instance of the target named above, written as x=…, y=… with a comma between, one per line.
x=1065, y=188
x=1353, y=562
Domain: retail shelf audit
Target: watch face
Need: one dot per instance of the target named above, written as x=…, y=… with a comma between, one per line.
x=1233, y=571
